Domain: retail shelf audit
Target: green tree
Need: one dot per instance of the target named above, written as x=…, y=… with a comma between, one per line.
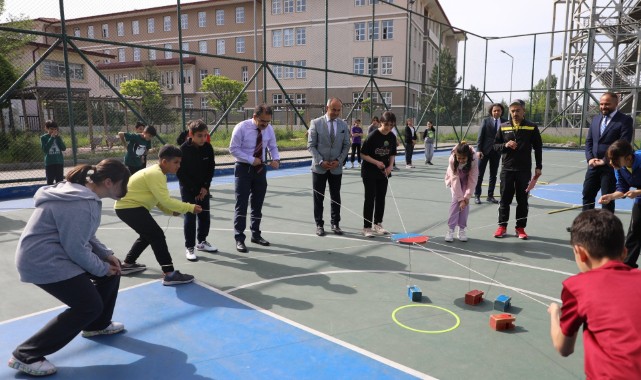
x=154, y=105
x=221, y=92
x=537, y=100
x=8, y=76
x=444, y=79
x=472, y=104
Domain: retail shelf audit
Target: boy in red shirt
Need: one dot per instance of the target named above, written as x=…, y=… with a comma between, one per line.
x=605, y=299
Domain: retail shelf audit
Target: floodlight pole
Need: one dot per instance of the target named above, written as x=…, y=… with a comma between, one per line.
x=511, y=71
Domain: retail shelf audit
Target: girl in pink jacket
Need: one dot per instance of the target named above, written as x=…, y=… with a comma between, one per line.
x=461, y=177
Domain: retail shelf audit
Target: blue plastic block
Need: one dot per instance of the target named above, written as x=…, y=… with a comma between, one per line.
x=414, y=293
x=502, y=302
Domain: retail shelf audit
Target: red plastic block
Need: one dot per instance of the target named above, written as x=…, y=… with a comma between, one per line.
x=474, y=297
x=500, y=322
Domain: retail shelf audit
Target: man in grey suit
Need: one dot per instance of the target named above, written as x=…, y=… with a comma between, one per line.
x=328, y=142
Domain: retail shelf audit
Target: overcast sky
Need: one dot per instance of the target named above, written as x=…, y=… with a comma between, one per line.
x=496, y=18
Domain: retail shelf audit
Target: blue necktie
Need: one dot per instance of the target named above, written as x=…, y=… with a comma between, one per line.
x=604, y=123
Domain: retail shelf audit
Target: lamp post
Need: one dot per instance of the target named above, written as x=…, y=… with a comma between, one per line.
x=408, y=55
x=511, y=71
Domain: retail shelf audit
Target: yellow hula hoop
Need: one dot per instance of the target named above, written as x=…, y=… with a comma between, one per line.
x=458, y=320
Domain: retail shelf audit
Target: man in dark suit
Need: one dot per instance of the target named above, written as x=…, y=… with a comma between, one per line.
x=485, y=147
x=606, y=128
x=328, y=142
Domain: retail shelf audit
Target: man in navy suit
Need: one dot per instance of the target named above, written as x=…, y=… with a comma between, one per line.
x=485, y=147
x=328, y=142
x=606, y=128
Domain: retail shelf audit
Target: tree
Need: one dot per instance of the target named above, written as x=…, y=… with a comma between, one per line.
x=221, y=91
x=444, y=79
x=471, y=103
x=537, y=100
x=8, y=76
x=154, y=105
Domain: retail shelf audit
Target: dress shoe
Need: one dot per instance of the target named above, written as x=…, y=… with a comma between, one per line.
x=337, y=230
x=492, y=200
x=240, y=247
x=320, y=231
x=260, y=240
x=477, y=200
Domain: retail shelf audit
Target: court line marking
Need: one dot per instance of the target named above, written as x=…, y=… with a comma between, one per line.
x=450, y=312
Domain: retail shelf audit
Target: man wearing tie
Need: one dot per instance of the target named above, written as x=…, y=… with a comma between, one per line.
x=485, y=147
x=328, y=142
x=606, y=128
x=250, y=140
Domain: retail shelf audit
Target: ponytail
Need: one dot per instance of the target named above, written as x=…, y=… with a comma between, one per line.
x=108, y=168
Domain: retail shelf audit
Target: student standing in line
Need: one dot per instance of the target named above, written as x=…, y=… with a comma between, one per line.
x=461, y=176
x=148, y=189
x=138, y=144
x=195, y=175
x=430, y=136
x=357, y=140
x=58, y=251
x=410, y=141
x=603, y=300
x=53, y=146
x=378, y=153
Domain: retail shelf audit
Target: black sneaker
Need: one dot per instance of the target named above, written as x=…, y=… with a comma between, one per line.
x=132, y=268
x=177, y=278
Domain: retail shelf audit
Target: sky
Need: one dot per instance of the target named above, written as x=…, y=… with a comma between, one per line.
x=496, y=18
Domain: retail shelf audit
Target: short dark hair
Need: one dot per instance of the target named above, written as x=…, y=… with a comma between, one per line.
x=388, y=117
x=108, y=168
x=263, y=108
x=151, y=130
x=612, y=94
x=197, y=126
x=489, y=110
x=167, y=152
x=51, y=124
x=139, y=124
x=600, y=232
x=619, y=149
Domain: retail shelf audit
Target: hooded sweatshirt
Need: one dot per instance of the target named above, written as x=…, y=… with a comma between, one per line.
x=59, y=241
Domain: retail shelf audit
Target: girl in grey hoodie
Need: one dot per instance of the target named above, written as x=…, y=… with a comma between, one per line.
x=59, y=252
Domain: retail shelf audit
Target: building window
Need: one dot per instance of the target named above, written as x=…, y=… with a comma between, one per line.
x=301, y=36
x=152, y=54
x=105, y=30
x=359, y=3
x=278, y=71
x=301, y=5
x=121, y=29
x=388, y=29
x=202, y=46
x=373, y=96
x=76, y=32
x=166, y=24
x=240, y=45
x=355, y=100
x=135, y=27
x=185, y=49
x=277, y=98
x=90, y=31
x=288, y=37
x=359, y=31
x=372, y=28
x=220, y=47
x=288, y=6
x=386, y=65
x=301, y=98
x=204, y=103
x=216, y=71
x=220, y=17
x=107, y=51
x=240, y=15
x=244, y=74
x=168, y=54
x=121, y=54
x=387, y=97
x=277, y=7
x=189, y=103
x=288, y=71
x=137, y=54
x=372, y=69
x=359, y=65
x=203, y=74
x=202, y=19
x=184, y=21
x=301, y=72
x=56, y=69
x=151, y=25
x=277, y=38
x=186, y=77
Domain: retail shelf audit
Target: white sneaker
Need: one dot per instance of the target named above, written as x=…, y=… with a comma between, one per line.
x=378, y=228
x=113, y=328
x=409, y=166
x=344, y=167
x=367, y=232
x=449, y=236
x=190, y=255
x=205, y=246
x=462, y=236
x=41, y=368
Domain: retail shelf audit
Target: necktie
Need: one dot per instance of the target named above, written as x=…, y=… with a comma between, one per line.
x=332, y=135
x=604, y=123
x=258, y=150
x=496, y=126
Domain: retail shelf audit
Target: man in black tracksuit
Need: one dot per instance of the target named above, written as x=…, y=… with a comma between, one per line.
x=515, y=141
